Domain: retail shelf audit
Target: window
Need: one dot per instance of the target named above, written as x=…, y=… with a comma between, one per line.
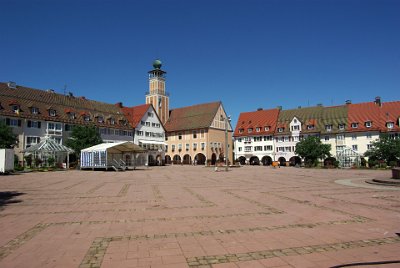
x=187, y=146
x=354, y=125
x=194, y=134
x=71, y=115
x=339, y=148
x=389, y=124
x=354, y=137
x=203, y=145
x=266, y=128
x=250, y=130
x=369, y=146
x=247, y=148
x=310, y=127
x=173, y=147
x=369, y=136
x=341, y=126
x=69, y=127
x=54, y=128
x=15, y=108
x=202, y=133
x=257, y=148
x=142, y=123
x=150, y=114
x=147, y=134
x=86, y=117
x=52, y=112
x=34, y=124
x=296, y=128
x=179, y=136
x=259, y=138
x=32, y=141
x=368, y=124
x=34, y=110
x=180, y=146
x=103, y=131
x=112, y=121
x=139, y=133
x=147, y=124
x=13, y=122
x=100, y=119
x=258, y=129
x=241, y=130
x=195, y=146
x=326, y=138
x=280, y=129
x=268, y=148
x=355, y=147
x=328, y=127
x=239, y=149
x=340, y=137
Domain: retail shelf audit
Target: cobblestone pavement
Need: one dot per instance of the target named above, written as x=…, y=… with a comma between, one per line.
x=192, y=216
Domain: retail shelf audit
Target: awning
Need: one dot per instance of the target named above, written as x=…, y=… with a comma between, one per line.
x=152, y=142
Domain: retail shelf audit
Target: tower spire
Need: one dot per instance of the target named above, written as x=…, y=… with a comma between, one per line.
x=157, y=95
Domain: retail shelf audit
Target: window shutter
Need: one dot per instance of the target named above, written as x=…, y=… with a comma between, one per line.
x=29, y=123
x=39, y=124
x=19, y=122
x=7, y=121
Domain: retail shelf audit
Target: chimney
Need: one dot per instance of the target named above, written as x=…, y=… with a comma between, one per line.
x=12, y=85
x=348, y=101
x=50, y=91
x=259, y=109
x=119, y=104
x=378, y=101
x=279, y=107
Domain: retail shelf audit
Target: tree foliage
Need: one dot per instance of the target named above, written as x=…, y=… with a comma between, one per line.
x=7, y=138
x=385, y=148
x=83, y=137
x=312, y=149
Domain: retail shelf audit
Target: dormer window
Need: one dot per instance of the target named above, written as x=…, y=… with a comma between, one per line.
x=72, y=115
x=266, y=128
x=241, y=130
x=389, y=124
x=52, y=112
x=86, y=117
x=258, y=129
x=341, y=126
x=34, y=110
x=368, y=124
x=112, y=121
x=354, y=125
x=250, y=130
x=15, y=108
x=328, y=127
x=310, y=127
x=280, y=129
x=100, y=119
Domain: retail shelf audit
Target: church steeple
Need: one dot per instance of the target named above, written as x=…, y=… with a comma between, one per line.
x=157, y=94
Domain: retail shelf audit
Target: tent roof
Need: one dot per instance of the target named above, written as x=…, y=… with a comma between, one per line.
x=125, y=146
x=48, y=145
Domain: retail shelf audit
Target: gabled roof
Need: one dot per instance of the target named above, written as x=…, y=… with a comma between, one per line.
x=136, y=113
x=28, y=98
x=391, y=113
x=192, y=117
x=261, y=119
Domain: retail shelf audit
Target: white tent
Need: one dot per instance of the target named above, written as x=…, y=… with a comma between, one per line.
x=118, y=155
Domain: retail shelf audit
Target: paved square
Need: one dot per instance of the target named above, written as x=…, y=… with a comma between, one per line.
x=185, y=216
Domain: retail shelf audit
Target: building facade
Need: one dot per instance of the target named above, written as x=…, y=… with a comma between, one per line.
x=349, y=129
x=34, y=114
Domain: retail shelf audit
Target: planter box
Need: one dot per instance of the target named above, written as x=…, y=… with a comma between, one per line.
x=396, y=173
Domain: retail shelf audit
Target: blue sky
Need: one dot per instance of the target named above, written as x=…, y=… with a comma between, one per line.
x=248, y=54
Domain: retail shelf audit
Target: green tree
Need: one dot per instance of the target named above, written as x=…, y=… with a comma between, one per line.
x=83, y=137
x=7, y=138
x=385, y=148
x=312, y=149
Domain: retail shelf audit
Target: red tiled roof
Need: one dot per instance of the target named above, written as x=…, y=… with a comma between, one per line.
x=364, y=112
x=390, y=112
x=261, y=119
x=28, y=98
x=192, y=117
x=136, y=113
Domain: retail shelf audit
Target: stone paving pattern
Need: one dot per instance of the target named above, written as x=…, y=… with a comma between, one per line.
x=192, y=216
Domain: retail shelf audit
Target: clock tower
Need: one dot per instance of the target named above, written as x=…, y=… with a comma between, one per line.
x=157, y=94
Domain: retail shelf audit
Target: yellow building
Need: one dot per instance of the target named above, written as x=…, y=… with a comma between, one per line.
x=195, y=134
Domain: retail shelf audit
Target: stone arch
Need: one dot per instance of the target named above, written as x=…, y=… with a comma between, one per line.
x=282, y=161
x=213, y=159
x=200, y=159
x=168, y=160
x=254, y=160
x=176, y=159
x=266, y=160
x=187, y=159
x=295, y=160
x=242, y=160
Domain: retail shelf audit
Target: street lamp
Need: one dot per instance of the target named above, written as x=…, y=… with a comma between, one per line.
x=227, y=120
